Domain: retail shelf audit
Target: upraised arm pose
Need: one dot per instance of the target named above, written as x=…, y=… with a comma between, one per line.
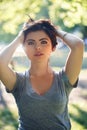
x=42, y=94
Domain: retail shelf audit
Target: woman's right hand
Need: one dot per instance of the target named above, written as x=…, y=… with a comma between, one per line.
x=20, y=37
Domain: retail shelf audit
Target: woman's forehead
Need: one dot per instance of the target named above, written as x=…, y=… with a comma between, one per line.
x=35, y=34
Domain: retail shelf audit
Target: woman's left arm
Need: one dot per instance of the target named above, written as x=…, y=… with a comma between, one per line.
x=74, y=61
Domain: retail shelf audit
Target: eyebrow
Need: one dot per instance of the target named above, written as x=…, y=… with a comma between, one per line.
x=39, y=39
x=30, y=40
x=43, y=39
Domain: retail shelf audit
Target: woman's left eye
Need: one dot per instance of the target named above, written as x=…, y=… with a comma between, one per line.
x=43, y=42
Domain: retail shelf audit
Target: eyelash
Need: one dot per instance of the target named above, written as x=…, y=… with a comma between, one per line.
x=32, y=43
x=44, y=42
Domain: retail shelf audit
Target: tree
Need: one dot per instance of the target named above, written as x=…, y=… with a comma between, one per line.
x=68, y=14
x=72, y=15
x=13, y=12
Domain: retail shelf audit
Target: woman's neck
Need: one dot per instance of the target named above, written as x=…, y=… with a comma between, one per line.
x=40, y=69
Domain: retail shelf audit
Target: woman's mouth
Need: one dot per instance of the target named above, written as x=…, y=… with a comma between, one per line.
x=38, y=54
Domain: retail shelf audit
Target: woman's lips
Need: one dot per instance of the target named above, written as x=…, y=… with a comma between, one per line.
x=38, y=54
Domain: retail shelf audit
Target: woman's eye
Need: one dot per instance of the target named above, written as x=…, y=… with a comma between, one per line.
x=30, y=43
x=43, y=42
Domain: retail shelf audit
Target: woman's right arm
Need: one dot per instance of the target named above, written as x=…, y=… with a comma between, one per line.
x=7, y=75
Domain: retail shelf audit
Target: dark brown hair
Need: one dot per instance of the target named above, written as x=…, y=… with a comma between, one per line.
x=41, y=25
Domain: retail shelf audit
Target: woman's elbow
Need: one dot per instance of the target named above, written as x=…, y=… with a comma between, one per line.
x=80, y=44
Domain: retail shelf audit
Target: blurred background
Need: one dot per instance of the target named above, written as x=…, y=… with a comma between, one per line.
x=68, y=15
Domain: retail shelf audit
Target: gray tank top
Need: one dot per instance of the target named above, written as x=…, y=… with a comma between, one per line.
x=43, y=112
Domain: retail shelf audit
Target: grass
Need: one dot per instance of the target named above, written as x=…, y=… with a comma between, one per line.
x=78, y=116
x=8, y=119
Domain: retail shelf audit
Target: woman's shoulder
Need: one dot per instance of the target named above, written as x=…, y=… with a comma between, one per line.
x=23, y=74
x=60, y=73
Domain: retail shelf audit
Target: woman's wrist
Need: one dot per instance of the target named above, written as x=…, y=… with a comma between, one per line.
x=62, y=34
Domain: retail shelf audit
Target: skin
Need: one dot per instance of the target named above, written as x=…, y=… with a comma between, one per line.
x=34, y=46
x=39, y=52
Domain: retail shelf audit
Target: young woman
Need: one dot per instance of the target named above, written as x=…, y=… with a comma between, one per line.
x=42, y=94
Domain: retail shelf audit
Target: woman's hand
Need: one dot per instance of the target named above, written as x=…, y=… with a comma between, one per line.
x=20, y=37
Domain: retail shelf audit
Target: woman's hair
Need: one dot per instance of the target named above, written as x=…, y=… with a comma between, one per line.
x=41, y=25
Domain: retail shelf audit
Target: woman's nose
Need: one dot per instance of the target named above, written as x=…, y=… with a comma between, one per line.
x=37, y=47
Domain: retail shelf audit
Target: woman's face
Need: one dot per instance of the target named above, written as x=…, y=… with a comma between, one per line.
x=38, y=46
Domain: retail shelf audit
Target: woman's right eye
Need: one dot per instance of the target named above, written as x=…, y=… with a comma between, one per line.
x=30, y=43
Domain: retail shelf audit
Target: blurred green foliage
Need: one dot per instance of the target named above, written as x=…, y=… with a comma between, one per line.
x=78, y=116
x=8, y=120
x=67, y=14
